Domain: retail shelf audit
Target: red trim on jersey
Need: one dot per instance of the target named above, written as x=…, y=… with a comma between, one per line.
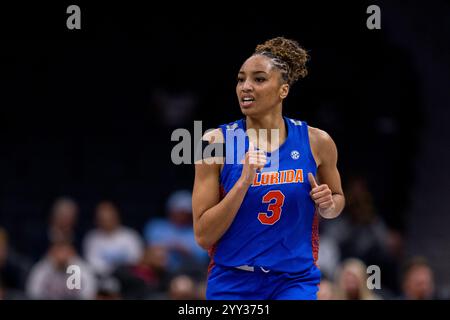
x=211, y=253
x=212, y=250
x=315, y=238
x=222, y=192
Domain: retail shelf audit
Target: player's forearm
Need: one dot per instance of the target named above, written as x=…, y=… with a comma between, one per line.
x=215, y=221
x=335, y=211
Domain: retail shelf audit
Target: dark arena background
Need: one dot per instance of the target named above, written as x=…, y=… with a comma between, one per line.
x=86, y=118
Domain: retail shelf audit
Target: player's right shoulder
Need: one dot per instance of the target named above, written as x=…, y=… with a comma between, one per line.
x=214, y=136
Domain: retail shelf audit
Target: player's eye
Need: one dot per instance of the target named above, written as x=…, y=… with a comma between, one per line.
x=260, y=79
x=240, y=79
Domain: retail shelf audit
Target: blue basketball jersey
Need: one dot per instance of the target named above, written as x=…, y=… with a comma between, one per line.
x=276, y=226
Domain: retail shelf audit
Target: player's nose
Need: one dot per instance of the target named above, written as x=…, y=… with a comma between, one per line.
x=246, y=86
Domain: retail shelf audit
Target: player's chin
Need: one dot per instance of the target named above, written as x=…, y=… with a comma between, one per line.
x=249, y=111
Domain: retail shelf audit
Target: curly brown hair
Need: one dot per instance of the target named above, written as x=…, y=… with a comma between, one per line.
x=287, y=55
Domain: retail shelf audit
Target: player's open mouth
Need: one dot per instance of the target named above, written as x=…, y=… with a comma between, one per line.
x=247, y=101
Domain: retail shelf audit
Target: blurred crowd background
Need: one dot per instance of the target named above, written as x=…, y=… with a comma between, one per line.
x=86, y=118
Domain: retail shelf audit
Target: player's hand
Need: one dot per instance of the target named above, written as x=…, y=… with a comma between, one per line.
x=321, y=195
x=254, y=160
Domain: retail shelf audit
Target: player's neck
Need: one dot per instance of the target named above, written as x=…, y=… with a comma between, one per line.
x=269, y=121
x=268, y=141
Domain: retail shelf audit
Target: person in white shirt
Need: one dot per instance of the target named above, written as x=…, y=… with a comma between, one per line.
x=111, y=244
x=49, y=279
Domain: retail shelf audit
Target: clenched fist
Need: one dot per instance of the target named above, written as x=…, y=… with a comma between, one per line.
x=321, y=195
x=254, y=160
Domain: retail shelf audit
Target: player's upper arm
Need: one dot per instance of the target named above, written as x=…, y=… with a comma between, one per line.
x=206, y=193
x=327, y=155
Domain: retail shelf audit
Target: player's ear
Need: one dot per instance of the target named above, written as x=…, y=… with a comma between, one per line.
x=284, y=90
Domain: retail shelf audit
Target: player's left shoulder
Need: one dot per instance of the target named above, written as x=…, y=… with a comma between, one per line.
x=322, y=145
x=319, y=136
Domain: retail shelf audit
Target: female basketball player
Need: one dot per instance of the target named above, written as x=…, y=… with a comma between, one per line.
x=258, y=216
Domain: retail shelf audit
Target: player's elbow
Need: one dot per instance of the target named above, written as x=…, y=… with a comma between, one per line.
x=201, y=237
x=201, y=233
x=202, y=241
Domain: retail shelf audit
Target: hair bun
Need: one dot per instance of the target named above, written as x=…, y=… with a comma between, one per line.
x=289, y=52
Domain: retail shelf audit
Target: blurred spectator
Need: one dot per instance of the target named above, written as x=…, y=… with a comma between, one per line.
x=149, y=278
x=111, y=244
x=13, y=267
x=177, y=235
x=352, y=281
x=108, y=289
x=48, y=278
x=418, y=280
x=10, y=294
x=61, y=226
x=326, y=290
x=361, y=233
x=201, y=289
x=329, y=255
x=63, y=221
x=183, y=287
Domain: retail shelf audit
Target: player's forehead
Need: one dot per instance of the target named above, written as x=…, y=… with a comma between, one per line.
x=256, y=63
